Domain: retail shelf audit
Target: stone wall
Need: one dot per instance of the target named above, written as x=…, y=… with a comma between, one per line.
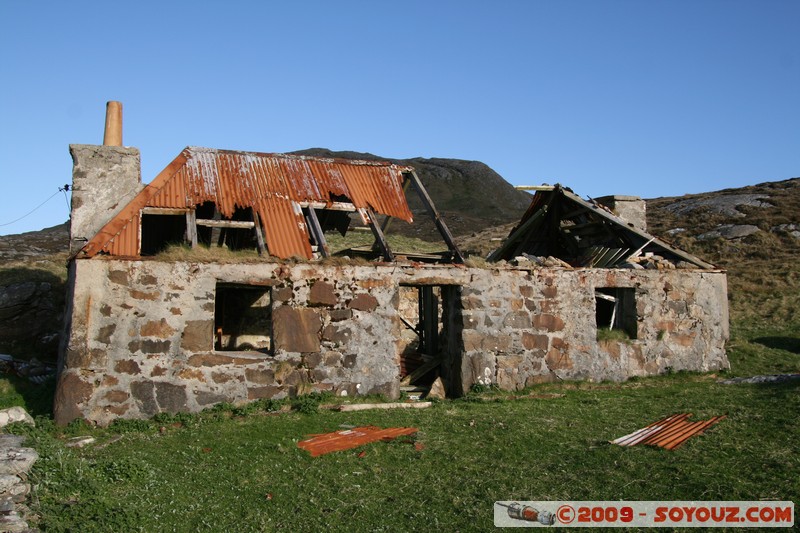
x=525, y=327
x=141, y=334
x=15, y=464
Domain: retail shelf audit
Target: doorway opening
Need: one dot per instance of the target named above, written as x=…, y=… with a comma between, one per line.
x=430, y=343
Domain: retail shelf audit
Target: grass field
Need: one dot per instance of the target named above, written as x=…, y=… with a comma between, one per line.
x=241, y=470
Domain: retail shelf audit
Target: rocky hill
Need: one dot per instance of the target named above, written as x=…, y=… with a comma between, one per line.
x=35, y=245
x=32, y=290
x=753, y=232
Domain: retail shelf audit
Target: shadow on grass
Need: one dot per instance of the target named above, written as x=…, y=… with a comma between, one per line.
x=36, y=399
x=785, y=397
x=789, y=344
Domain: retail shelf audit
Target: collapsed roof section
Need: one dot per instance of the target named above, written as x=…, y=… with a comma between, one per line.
x=275, y=196
x=560, y=224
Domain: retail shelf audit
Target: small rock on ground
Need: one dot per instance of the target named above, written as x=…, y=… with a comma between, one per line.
x=15, y=414
x=774, y=378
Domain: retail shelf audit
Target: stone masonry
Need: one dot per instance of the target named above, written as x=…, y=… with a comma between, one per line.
x=15, y=464
x=631, y=208
x=104, y=180
x=141, y=339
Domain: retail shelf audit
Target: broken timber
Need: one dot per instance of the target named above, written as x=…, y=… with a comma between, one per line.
x=316, y=231
x=434, y=214
x=380, y=239
x=392, y=405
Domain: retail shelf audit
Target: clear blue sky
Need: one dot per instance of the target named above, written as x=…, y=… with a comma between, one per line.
x=650, y=98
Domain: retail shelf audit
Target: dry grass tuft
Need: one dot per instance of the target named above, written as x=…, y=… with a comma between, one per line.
x=204, y=254
x=46, y=268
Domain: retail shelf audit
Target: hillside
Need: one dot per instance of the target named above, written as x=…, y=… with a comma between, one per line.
x=34, y=245
x=753, y=232
x=32, y=291
x=468, y=194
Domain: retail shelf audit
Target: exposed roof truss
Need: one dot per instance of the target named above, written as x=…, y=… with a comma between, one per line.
x=585, y=234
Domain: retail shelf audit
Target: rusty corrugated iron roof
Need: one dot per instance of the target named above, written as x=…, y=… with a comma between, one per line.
x=350, y=438
x=273, y=185
x=669, y=432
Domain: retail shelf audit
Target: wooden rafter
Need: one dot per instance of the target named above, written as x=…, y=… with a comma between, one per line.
x=434, y=214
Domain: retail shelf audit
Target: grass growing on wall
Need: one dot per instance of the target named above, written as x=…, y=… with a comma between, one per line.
x=613, y=335
x=336, y=243
x=398, y=243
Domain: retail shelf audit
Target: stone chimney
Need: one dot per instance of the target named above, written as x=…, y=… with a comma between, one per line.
x=104, y=179
x=631, y=209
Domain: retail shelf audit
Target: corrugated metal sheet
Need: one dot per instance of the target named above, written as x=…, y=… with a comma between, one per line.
x=669, y=432
x=126, y=239
x=271, y=184
x=350, y=438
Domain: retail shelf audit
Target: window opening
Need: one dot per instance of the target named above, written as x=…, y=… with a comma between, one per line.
x=243, y=318
x=615, y=313
x=159, y=231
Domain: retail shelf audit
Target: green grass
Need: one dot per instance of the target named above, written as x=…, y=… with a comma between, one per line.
x=19, y=392
x=221, y=473
x=216, y=254
x=397, y=242
x=336, y=243
x=51, y=269
x=239, y=469
x=606, y=334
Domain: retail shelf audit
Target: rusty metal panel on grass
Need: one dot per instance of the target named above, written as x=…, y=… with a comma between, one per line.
x=350, y=438
x=670, y=432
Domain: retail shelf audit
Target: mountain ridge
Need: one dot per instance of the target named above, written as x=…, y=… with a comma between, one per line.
x=456, y=186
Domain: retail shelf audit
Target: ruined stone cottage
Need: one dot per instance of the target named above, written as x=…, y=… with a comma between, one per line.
x=149, y=333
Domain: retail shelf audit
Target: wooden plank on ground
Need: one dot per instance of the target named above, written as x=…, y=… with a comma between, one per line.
x=394, y=405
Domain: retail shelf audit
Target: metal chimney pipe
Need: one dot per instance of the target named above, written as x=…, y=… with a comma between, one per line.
x=113, y=133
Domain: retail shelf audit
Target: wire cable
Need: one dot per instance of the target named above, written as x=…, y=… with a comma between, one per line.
x=65, y=189
x=29, y=213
